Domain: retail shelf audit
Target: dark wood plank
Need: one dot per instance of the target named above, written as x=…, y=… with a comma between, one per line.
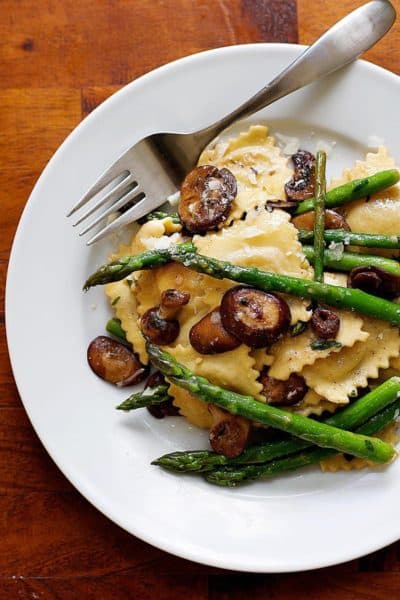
x=327, y=584
x=315, y=18
x=24, y=466
x=59, y=60
x=93, y=96
x=59, y=534
x=8, y=391
x=15, y=188
x=140, y=584
x=387, y=559
x=34, y=123
x=275, y=21
x=103, y=42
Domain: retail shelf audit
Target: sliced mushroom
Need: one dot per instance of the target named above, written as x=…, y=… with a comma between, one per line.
x=171, y=303
x=283, y=204
x=301, y=186
x=229, y=433
x=333, y=220
x=257, y=318
x=325, y=323
x=284, y=393
x=158, y=330
x=165, y=409
x=374, y=280
x=207, y=194
x=115, y=362
x=209, y=336
x=158, y=323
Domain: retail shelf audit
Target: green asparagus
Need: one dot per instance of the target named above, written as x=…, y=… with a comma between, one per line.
x=114, y=327
x=149, y=396
x=350, y=417
x=233, y=476
x=346, y=298
x=319, y=221
x=119, y=269
x=359, y=188
x=246, y=406
x=350, y=238
x=160, y=214
x=346, y=261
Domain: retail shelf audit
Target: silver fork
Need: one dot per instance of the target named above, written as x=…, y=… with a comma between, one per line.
x=145, y=175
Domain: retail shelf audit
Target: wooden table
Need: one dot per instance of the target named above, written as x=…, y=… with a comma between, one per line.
x=58, y=60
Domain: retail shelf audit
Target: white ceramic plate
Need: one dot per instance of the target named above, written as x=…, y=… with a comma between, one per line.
x=300, y=521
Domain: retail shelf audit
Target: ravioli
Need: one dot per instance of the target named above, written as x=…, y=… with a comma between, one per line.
x=260, y=168
x=292, y=354
x=123, y=294
x=381, y=212
x=338, y=377
x=266, y=240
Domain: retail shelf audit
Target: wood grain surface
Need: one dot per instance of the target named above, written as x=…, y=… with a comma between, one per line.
x=58, y=60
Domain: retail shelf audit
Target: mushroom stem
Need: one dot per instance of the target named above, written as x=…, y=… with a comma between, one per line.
x=159, y=323
x=171, y=303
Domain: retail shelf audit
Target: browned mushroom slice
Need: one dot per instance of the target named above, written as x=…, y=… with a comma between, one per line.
x=229, y=433
x=257, y=318
x=171, y=303
x=158, y=330
x=301, y=186
x=115, y=362
x=164, y=409
x=209, y=336
x=284, y=393
x=325, y=323
x=207, y=194
x=333, y=220
x=374, y=280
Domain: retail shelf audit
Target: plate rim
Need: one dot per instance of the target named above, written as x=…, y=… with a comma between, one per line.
x=171, y=548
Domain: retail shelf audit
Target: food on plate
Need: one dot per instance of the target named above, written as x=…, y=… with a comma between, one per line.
x=332, y=220
x=281, y=392
x=209, y=336
x=206, y=197
x=159, y=323
x=229, y=433
x=256, y=318
x=114, y=362
x=263, y=309
x=302, y=184
x=375, y=280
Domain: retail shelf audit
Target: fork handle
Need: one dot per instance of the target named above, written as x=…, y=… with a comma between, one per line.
x=340, y=45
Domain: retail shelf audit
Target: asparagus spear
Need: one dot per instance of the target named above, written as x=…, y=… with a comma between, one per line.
x=246, y=406
x=350, y=238
x=319, y=221
x=160, y=214
x=114, y=327
x=346, y=298
x=348, y=260
x=119, y=269
x=233, y=476
x=359, y=188
x=147, y=397
x=350, y=417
